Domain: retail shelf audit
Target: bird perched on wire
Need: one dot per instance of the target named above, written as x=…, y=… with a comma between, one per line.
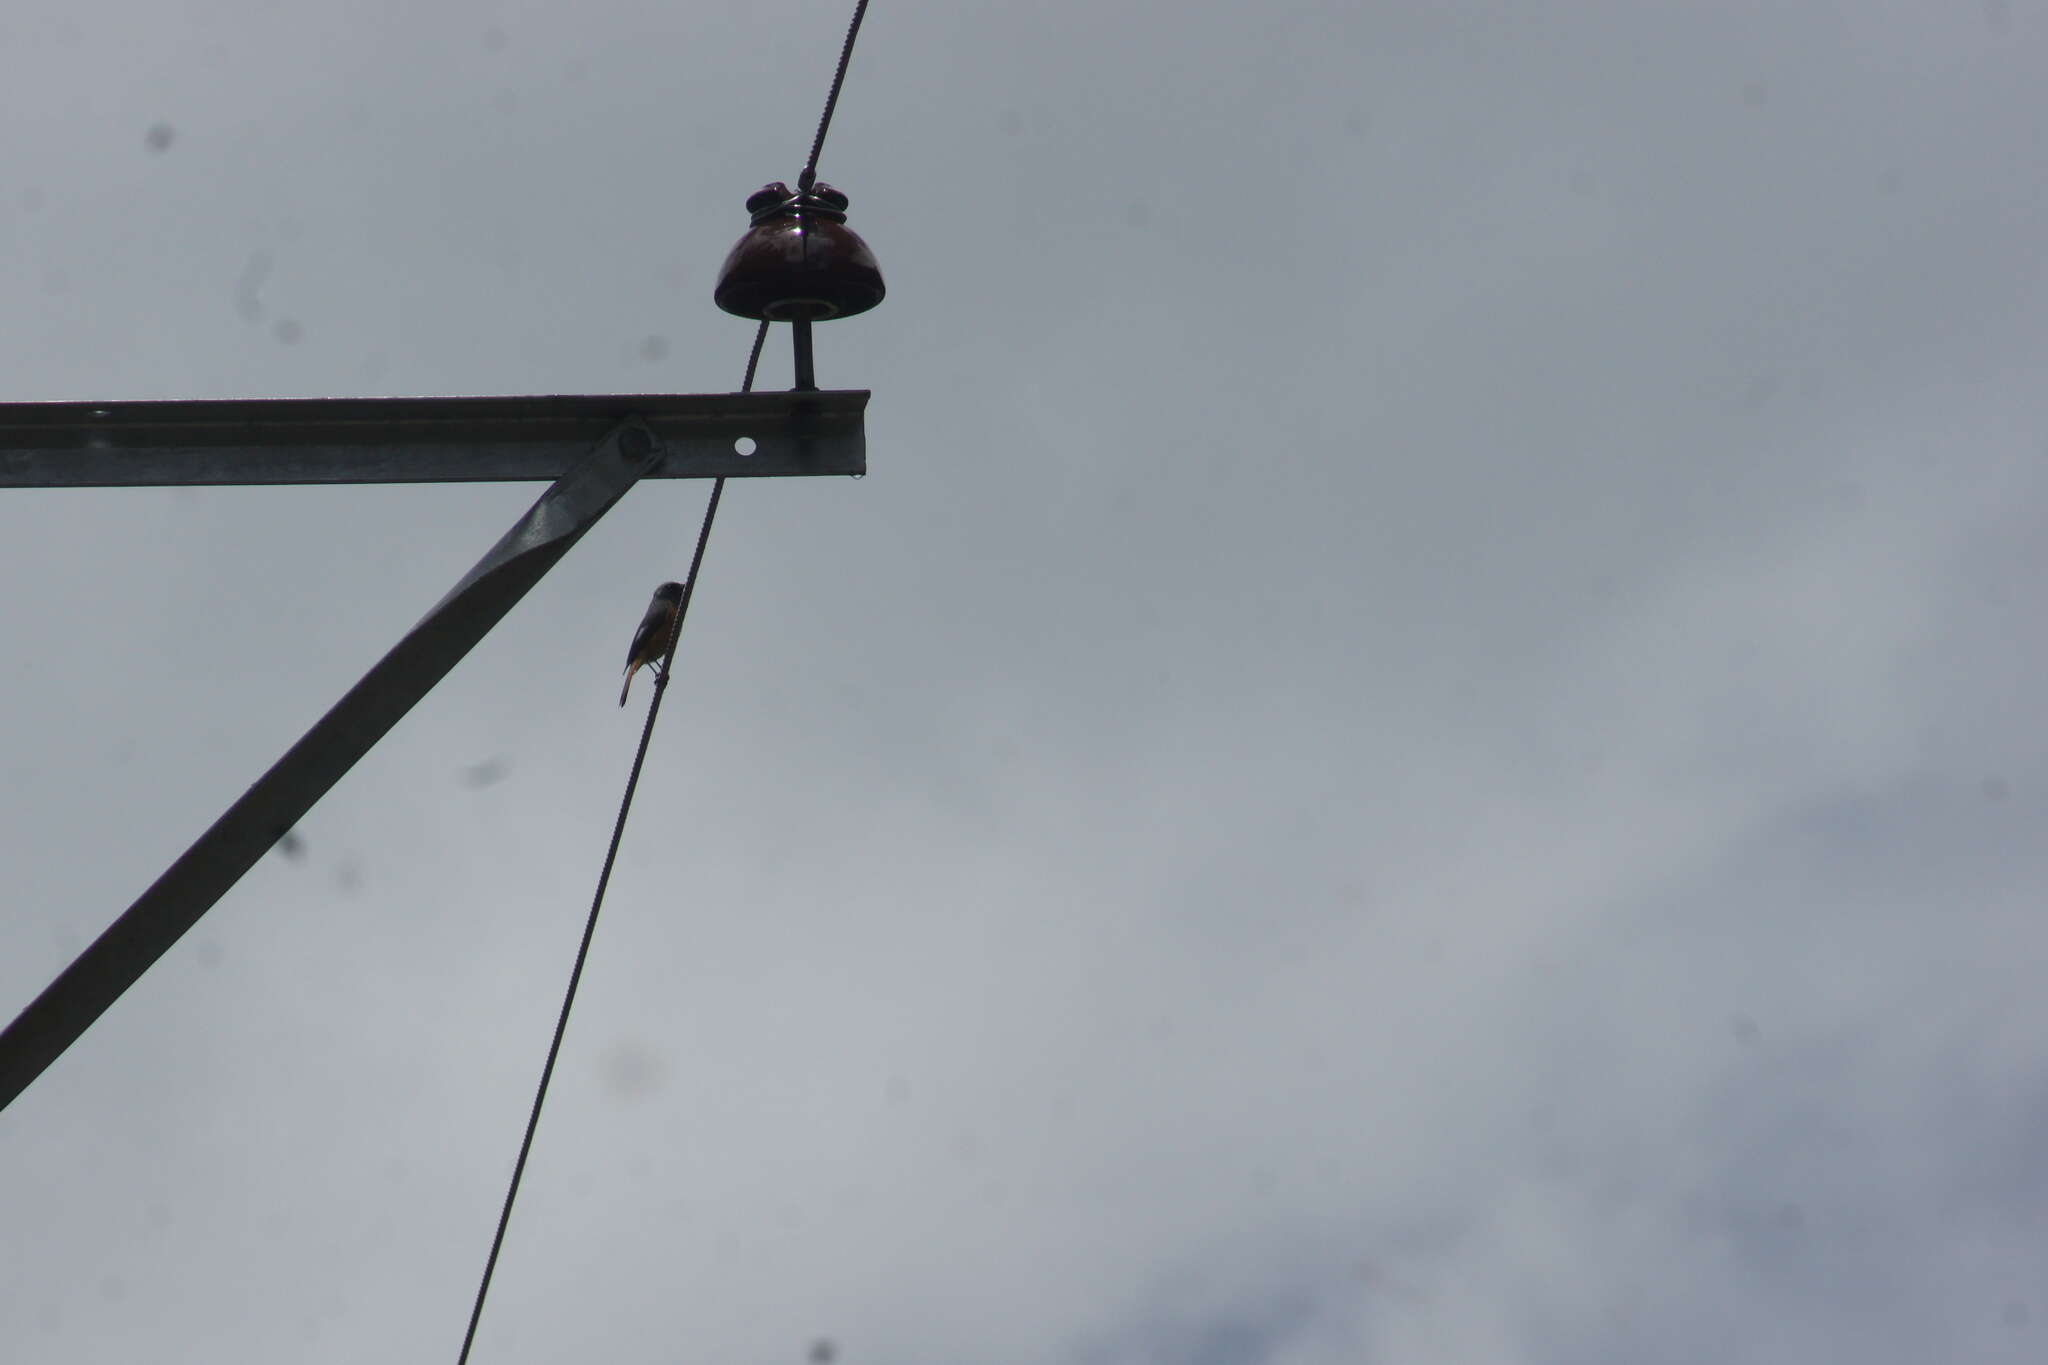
x=650, y=642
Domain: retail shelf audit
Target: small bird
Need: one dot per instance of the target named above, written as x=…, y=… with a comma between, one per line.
x=650, y=642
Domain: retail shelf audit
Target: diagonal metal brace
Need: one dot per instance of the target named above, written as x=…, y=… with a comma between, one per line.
x=205, y=872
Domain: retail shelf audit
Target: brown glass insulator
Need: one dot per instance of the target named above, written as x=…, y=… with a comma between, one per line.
x=799, y=262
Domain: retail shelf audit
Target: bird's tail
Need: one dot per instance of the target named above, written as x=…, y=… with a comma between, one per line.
x=630, y=669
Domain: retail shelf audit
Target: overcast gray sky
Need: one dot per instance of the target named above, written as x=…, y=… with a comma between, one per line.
x=1424, y=745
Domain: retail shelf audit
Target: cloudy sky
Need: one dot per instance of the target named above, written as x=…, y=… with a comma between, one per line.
x=1425, y=742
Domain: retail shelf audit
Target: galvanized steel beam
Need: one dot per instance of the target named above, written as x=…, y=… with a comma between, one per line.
x=632, y=450
x=421, y=440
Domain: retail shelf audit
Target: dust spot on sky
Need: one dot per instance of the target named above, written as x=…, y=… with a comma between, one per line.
x=488, y=773
x=249, y=288
x=159, y=137
x=631, y=1070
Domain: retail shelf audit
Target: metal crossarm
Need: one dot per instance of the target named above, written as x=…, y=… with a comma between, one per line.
x=421, y=440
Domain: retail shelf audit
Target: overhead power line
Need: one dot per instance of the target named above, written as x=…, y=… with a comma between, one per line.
x=805, y=182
